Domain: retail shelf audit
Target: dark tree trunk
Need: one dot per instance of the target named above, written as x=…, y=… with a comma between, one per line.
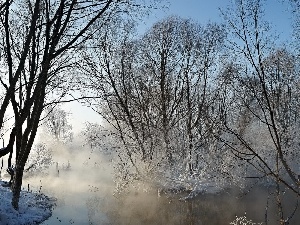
x=16, y=186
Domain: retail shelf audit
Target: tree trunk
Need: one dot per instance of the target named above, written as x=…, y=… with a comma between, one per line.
x=16, y=186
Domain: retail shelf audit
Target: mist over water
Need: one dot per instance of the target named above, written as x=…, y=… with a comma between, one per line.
x=82, y=183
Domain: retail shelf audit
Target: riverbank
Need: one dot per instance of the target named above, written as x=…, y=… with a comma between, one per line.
x=34, y=207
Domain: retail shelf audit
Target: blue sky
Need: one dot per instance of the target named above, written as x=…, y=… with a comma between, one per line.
x=203, y=11
x=277, y=13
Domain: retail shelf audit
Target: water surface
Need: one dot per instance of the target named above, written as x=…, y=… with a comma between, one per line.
x=84, y=191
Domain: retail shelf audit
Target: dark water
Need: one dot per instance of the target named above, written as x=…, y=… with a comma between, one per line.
x=211, y=209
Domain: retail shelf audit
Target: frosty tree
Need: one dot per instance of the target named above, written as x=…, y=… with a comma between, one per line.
x=261, y=108
x=57, y=124
x=40, y=41
x=156, y=95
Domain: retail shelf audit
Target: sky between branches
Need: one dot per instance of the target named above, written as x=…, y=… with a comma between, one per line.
x=277, y=12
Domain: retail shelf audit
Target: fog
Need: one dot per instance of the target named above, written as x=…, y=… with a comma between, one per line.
x=82, y=182
x=79, y=180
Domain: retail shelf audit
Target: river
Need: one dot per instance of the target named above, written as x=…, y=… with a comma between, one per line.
x=85, y=196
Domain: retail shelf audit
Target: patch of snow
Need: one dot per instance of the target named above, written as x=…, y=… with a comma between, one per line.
x=34, y=208
x=203, y=187
x=190, y=186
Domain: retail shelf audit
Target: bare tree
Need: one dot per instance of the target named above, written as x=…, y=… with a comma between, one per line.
x=39, y=160
x=260, y=134
x=40, y=39
x=57, y=124
x=156, y=91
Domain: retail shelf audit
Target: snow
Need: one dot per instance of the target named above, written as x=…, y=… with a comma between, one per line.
x=189, y=186
x=34, y=208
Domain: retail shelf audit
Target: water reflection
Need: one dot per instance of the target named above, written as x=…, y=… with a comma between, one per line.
x=84, y=195
x=220, y=209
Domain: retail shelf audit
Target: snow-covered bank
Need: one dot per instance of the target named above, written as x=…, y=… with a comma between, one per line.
x=33, y=207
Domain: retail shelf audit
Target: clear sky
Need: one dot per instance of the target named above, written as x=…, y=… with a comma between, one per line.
x=277, y=13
